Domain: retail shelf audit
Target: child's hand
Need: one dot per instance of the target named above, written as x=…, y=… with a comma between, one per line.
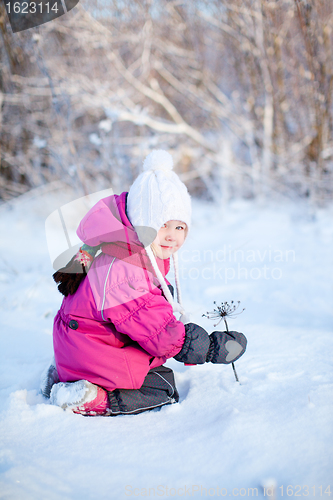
x=219, y=347
x=195, y=347
x=226, y=347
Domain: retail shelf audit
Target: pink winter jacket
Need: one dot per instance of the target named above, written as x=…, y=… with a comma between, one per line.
x=118, y=325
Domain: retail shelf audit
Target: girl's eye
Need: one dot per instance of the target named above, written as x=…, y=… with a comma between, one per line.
x=180, y=227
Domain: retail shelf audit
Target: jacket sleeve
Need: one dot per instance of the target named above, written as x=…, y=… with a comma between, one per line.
x=146, y=317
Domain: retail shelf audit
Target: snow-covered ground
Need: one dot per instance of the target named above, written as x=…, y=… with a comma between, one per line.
x=224, y=438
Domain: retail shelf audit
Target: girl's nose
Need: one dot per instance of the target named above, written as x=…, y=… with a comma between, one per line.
x=169, y=237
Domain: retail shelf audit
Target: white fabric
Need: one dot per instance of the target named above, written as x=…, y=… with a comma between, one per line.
x=175, y=305
x=155, y=197
x=175, y=265
x=72, y=394
x=185, y=318
x=158, y=195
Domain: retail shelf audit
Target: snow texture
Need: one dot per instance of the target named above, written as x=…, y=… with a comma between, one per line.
x=270, y=432
x=73, y=394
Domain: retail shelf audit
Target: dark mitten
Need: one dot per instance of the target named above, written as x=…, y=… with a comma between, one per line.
x=226, y=347
x=195, y=347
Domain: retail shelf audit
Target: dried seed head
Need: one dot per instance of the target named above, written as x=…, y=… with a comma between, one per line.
x=223, y=311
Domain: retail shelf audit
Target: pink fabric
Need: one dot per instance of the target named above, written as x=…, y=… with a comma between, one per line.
x=125, y=325
x=98, y=406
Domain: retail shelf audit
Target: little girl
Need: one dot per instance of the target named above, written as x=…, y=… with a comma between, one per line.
x=112, y=335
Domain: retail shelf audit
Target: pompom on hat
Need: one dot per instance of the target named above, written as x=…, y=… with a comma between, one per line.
x=155, y=197
x=158, y=159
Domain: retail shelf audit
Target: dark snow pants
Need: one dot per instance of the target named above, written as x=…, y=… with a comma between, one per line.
x=158, y=389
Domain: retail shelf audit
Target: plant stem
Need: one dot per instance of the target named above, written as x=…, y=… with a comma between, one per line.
x=233, y=367
x=232, y=364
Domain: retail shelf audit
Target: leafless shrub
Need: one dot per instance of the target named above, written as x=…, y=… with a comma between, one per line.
x=240, y=92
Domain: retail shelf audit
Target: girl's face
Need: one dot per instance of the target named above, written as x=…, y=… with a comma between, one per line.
x=169, y=238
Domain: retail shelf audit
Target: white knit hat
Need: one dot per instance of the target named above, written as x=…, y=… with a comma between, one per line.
x=155, y=197
x=158, y=195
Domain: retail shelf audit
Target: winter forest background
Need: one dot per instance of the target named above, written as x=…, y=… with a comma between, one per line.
x=240, y=92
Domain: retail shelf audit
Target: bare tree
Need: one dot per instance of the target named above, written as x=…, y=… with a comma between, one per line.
x=240, y=93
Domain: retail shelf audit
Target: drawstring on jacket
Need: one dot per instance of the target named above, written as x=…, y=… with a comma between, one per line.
x=176, y=305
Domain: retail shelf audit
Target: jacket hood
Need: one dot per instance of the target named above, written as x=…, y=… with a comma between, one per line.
x=107, y=224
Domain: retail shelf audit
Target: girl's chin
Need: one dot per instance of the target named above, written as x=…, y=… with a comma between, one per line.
x=165, y=253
